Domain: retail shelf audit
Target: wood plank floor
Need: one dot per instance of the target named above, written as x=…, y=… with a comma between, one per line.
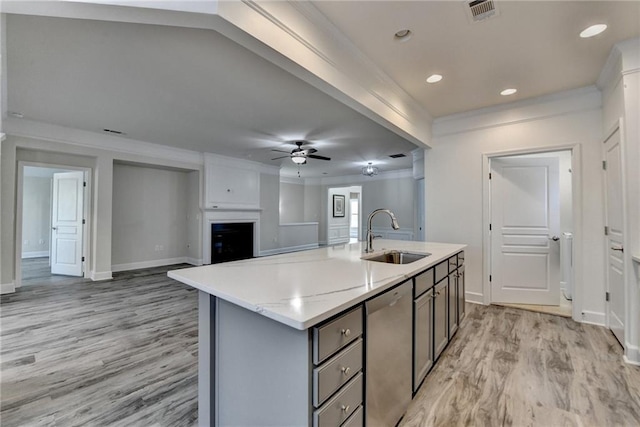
x=82, y=353
x=124, y=353
x=511, y=367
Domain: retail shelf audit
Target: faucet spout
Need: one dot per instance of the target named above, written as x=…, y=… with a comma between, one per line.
x=370, y=236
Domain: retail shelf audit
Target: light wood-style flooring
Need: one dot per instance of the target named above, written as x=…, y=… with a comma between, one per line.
x=115, y=353
x=124, y=353
x=511, y=367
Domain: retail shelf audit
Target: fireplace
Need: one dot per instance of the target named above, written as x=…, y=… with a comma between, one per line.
x=231, y=241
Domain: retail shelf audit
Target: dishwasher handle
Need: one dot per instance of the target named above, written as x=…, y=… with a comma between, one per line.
x=388, y=298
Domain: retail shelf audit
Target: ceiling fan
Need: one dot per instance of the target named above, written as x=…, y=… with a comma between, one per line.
x=300, y=155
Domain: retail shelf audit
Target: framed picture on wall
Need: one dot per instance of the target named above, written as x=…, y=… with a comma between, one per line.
x=338, y=205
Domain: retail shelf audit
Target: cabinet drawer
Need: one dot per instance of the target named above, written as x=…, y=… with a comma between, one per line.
x=453, y=263
x=341, y=406
x=329, y=338
x=424, y=282
x=355, y=420
x=337, y=371
x=442, y=270
x=460, y=259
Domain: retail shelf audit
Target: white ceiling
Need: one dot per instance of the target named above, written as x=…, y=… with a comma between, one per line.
x=183, y=87
x=532, y=46
x=198, y=90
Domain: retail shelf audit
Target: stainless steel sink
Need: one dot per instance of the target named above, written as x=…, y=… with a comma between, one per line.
x=396, y=257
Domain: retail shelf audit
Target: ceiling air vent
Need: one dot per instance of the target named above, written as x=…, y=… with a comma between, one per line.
x=479, y=10
x=397, y=156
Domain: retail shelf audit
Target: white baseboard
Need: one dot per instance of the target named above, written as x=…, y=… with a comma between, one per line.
x=632, y=355
x=289, y=249
x=35, y=254
x=7, y=288
x=593, y=318
x=474, y=297
x=193, y=261
x=101, y=275
x=149, y=264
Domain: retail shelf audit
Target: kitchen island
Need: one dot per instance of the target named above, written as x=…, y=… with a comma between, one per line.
x=261, y=325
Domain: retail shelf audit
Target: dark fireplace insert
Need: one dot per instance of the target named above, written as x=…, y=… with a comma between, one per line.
x=231, y=241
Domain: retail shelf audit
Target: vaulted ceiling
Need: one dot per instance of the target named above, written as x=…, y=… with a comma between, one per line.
x=197, y=89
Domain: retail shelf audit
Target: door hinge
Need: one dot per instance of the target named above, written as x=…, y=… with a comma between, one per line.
x=82, y=259
x=489, y=227
x=604, y=165
x=489, y=277
x=84, y=183
x=606, y=296
x=489, y=175
x=83, y=222
x=606, y=230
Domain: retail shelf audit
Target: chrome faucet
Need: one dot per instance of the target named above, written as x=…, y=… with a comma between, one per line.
x=370, y=236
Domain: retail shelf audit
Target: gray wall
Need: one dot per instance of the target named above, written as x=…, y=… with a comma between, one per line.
x=270, y=215
x=398, y=195
x=150, y=208
x=36, y=215
x=291, y=202
x=194, y=218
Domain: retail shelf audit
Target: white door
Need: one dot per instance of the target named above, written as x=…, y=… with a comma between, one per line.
x=525, y=225
x=66, y=223
x=614, y=237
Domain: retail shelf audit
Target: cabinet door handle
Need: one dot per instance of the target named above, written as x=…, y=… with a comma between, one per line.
x=621, y=249
x=346, y=332
x=554, y=238
x=345, y=370
x=345, y=408
x=54, y=228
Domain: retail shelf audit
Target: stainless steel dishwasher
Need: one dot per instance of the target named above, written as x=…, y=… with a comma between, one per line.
x=388, y=368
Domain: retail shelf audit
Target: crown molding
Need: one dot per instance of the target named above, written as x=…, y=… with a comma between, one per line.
x=217, y=159
x=359, y=179
x=121, y=147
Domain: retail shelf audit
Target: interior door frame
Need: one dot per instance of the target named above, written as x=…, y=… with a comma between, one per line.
x=86, y=232
x=576, y=200
x=626, y=256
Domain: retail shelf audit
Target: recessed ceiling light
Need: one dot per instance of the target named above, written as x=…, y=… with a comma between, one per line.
x=593, y=30
x=508, y=92
x=434, y=78
x=16, y=114
x=403, y=35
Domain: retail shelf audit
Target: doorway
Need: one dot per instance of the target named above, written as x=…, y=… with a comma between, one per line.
x=354, y=218
x=52, y=217
x=530, y=231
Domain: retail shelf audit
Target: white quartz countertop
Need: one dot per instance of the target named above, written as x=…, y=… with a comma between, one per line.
x=302, y=289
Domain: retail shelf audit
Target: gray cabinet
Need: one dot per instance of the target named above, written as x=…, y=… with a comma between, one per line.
x=422, y=337
x=453, y=303
x=461, y=293
x=441, y=313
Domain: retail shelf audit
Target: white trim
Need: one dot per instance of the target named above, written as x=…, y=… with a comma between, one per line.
x=45, y=131
x=148, y=264
x=193, y=261
x=632, y=354
x=576, y=200
x=211, y=159
x=353, y=179
x=101, y=275
x=35, y=254
x=474, y=298
x=609, y=73
x=289, y=249
x=7, y=288
x=593, y=318
x=86, y=212
x=527, y=110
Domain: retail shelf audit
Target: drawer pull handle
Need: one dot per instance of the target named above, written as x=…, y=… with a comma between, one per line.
x=346, y=370
x=345, y=408
x=346, y=332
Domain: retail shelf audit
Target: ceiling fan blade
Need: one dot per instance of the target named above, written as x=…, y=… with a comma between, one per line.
x=311, y=150
x=314, y=156
x=280, y=151
x=281, y=157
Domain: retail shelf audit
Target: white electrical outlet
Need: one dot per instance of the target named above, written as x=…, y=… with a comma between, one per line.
x=41, y=241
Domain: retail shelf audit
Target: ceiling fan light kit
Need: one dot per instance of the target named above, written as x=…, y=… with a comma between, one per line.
x=369, y=170
x=300, y=155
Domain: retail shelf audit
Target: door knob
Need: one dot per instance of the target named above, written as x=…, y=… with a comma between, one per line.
x=554, y=238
